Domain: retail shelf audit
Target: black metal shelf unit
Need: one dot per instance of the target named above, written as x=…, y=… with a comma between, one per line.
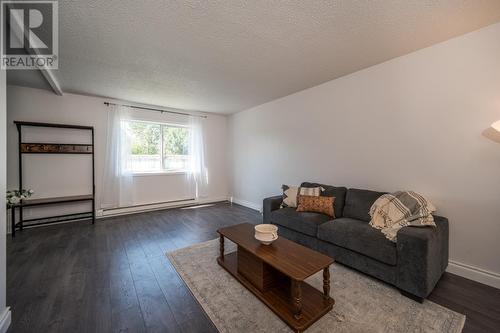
x=52, y=148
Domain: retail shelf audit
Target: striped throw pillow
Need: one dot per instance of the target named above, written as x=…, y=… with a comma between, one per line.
x=291, y=194
x=311, y=191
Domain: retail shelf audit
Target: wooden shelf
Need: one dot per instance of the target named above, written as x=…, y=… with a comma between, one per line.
x=35, y=124
x=55, y=200
x=56, y=148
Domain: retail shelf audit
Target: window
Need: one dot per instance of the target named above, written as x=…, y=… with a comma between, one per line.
x=157, y=147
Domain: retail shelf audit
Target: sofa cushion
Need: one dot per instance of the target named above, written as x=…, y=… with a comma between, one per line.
x=359, y=236
x=358, y=203
x=332, y=191
x=304, y=222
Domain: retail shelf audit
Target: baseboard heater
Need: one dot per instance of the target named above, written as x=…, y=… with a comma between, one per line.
x=146, y=207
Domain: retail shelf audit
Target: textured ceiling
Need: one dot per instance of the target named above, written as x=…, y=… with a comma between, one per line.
x=226, y=56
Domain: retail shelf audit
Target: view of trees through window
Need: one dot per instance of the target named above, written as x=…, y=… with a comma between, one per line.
x=146, y=138
x=176, y=140
x=158, y=147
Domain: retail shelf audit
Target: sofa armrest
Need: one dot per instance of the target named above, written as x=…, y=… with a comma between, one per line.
x=422, y=257
x=270, y=204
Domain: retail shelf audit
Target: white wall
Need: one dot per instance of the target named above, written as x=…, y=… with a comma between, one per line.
x=414, y=122
x=4, y=311
x=57, y=175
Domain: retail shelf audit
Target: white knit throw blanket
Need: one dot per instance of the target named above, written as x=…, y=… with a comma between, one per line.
x=393, y=211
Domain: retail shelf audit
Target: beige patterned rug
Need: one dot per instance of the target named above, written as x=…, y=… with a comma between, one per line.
x=362, y=304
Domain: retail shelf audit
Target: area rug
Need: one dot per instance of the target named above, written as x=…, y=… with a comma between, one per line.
x=362, y=304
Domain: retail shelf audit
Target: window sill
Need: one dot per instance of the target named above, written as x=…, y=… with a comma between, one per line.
x=159, y=173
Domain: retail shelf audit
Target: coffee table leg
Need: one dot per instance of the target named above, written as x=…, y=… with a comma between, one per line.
x=221, y=247
x=297, y=298
x=326, y=282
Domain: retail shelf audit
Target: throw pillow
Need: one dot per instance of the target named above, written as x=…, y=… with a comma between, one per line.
x=316, y=204
x=290, y=194
x=312, y=191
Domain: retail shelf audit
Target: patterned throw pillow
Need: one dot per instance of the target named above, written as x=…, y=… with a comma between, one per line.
x=312, y=191
x=316, y=204
x=291, y=193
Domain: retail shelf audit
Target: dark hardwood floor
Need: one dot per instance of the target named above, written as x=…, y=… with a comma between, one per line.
x=114, y=276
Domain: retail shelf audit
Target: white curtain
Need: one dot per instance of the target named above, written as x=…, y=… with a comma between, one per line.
x=197, y=171
x=117, y=178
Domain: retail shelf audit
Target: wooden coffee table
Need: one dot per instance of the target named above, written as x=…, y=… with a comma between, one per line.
x=275, y=274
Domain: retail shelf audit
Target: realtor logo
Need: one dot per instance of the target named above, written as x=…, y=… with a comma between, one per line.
x=29, y=38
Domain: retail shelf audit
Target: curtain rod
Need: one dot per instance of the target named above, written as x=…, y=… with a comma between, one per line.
x=157, y=110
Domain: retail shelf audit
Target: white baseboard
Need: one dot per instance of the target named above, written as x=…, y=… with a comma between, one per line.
x=474, y=273
x=248, y=204
x=5, y=320
x=159, y=206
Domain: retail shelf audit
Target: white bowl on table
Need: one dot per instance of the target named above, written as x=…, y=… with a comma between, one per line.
x=266, y=233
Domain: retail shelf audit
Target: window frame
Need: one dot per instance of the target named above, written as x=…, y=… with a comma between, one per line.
x=162, y=171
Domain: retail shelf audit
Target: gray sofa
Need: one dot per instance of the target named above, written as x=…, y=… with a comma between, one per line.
x=413, y=264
